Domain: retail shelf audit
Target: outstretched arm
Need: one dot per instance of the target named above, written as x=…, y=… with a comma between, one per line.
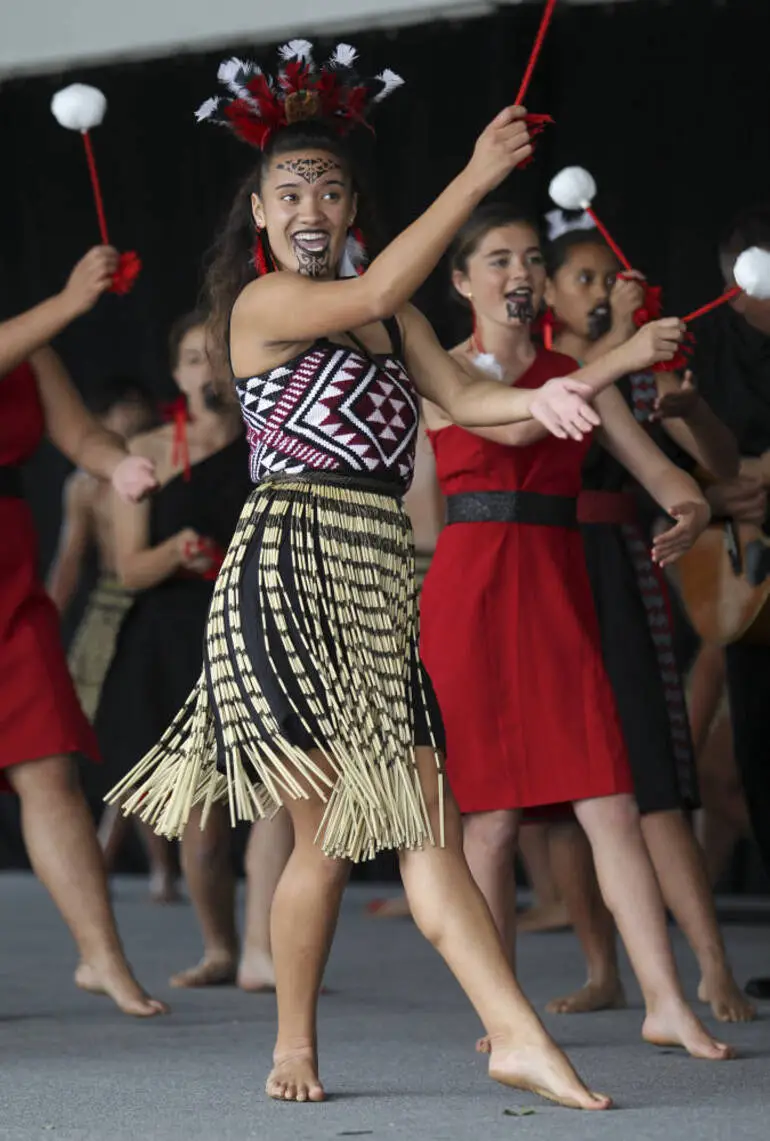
x=22, y=335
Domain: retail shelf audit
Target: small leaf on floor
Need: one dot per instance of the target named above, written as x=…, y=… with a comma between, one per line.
x=519, y=1112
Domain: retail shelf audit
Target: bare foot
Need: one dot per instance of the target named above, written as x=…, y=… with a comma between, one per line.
x=678, y=1026
x=540, y=1067
x=294, y=1077
x=210, y=971
x=547, y=917
x=256, y=973
x=163, y=887
x=607, y=995
x=116, y=982
x=397, y=908
x=727, y=1000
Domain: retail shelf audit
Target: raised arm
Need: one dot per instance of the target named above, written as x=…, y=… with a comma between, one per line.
x=75, y=538
x=22, y=335
x=286, y=307
x=675, y=491
x=80, y=436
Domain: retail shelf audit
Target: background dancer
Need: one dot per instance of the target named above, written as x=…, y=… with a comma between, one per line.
x=509, y=631
x=594, y=311
x=41, y=723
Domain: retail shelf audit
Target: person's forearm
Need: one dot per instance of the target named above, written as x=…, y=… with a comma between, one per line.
x=612, y=340
x=22, y=335
x=704, y=437
x=603, y=372
x=141, y=570
x=399, y=271
x=97, y=451
x=63, y=578
x=487, y=404
x=669, y=486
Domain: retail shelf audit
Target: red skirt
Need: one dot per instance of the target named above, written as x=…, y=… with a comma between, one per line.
x=510, y=638
x=39, y=711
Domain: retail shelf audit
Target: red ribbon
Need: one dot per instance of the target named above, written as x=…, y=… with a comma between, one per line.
x=536, y=124
x=129, y=264
x=206, y=547
x=177, y=413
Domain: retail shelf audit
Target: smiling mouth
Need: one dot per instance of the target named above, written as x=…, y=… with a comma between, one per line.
x=519, y=306
x=313, y=242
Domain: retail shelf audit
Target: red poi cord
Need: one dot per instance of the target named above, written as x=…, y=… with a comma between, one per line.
x=609, y=238
x=537, y=48
x=727, y=296
x=129, y=264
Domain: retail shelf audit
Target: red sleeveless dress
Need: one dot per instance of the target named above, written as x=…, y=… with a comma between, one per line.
x=510, y=637
x=39, y=712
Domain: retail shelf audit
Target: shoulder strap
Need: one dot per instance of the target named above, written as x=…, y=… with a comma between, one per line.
x=396, y=342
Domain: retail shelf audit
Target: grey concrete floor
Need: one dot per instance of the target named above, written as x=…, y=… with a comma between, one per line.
x=396, y=1036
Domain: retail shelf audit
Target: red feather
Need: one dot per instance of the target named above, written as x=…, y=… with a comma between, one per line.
x=536, y=124
x=651, y=308
x=129, y=268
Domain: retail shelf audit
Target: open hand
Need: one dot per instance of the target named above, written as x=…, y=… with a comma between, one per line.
x=134, y=477
x=91, y=277
x=691, y=520
x=504, y=145
x=560, y=406
x=658, y=341
x=679, y=403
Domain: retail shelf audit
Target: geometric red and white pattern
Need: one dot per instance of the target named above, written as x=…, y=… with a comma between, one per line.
x=331, y=409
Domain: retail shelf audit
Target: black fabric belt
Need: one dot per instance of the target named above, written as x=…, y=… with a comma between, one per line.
x=339, y=479
x=512, y=507
x=10, y=483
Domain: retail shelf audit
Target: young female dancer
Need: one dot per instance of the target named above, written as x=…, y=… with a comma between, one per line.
x=509, y=631
x=313, y=694
x=594, y=311
x=41, y=723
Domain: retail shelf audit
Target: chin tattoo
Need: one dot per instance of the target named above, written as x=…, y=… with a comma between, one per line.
x=599, y=324
x=520, y=309
x=313, y=264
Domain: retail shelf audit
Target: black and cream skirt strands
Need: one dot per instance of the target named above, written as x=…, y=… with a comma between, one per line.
x=93, y=646
x=312, y=681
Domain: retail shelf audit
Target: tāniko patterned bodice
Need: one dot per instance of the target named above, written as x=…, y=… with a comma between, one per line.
x=332, y=409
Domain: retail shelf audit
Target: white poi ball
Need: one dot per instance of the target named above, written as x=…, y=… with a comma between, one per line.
x=752, y=273
x=79, y=107
x=573, y=188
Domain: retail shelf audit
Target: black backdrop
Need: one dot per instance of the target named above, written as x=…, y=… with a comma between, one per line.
x=668, y=104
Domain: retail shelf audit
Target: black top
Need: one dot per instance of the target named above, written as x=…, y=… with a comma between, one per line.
x=732, y=369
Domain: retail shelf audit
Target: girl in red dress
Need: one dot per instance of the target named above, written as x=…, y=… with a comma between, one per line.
x=41, y=722
x=509, y=631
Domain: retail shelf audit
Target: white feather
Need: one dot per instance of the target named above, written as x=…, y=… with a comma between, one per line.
x=345, y=55
x=390, y=81
x=229, y=68
x=559, y=223
x=79, y=107
x=489, y=363
x=752, y=272
x=573, y=188
x=296, y=49
x=206, y=110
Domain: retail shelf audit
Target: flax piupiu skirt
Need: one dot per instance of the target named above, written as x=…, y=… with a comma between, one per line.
x=311, y=644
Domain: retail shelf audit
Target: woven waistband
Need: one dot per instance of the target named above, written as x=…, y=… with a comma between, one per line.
x=512, y=507
x=11, y=486
x=338, y=479
x=607, y=507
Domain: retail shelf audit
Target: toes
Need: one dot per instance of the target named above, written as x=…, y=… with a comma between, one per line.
x=317, y=1093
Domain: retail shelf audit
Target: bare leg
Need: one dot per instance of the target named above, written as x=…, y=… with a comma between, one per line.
x=707, y=687
x=681, y=874
x=549, y=911
x=631, y=892
x=64, y=852
x=573, y=865
x=270, y=846
x=724, y=816
x=304, y=917
x=160, y=856
x=489, y=843
x=451, y=913
x=113, y=829
x=206, y=863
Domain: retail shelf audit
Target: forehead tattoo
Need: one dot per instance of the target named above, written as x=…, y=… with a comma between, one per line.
x=309, y=169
